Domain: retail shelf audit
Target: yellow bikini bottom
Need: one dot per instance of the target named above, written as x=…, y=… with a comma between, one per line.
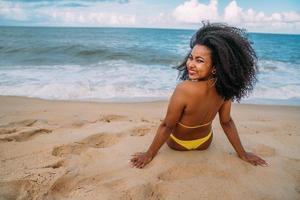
x=191, y=144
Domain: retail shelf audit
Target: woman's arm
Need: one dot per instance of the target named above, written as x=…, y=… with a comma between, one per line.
x=231, y=132
x=176, y=107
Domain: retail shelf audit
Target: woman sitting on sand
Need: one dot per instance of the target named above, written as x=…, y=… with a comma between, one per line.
x=220, y=68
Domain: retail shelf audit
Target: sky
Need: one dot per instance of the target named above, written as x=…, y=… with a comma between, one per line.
x=267, y=16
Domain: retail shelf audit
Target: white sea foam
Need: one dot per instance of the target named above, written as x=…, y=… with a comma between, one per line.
x=284, y=92
x=119, y=80
x=107, y=80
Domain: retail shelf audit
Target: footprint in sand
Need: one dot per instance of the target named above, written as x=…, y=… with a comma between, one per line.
x=264, y=150
x=31, y=186
x=12, y=127
x=72, y=182
x=22, y=130
x=191, y=171
x=103, y=118
x=144, y=191
x=79, y=123
x=56, y=165
x=7, y=131
x=101, y=140
x=63, y=185
x=141, y=131
x=16, y=189
x=25, y=135
x=27, y=122
x=110, y=118
x=67, y=149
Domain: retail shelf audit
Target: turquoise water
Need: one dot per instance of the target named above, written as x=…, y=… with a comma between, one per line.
x=127, y=64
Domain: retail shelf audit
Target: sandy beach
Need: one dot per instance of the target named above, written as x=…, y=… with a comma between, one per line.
x=81, y=150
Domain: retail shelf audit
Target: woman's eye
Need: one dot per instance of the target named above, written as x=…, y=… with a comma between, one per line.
x=199, y=61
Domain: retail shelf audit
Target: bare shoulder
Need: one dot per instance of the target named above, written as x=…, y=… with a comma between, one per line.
x=183, y=84
x=185, y=88
x=182, y=87
x=192, y=88
x=188, y=85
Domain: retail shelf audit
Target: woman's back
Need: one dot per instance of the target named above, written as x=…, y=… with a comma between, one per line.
x=203, y=103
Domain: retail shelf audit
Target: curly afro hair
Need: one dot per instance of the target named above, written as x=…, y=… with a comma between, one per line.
x=232, y=55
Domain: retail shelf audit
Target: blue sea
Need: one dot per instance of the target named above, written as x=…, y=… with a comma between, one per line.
x=128, y=64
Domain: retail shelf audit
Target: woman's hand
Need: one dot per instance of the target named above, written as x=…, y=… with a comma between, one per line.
x=140, y=159
x=254, y=159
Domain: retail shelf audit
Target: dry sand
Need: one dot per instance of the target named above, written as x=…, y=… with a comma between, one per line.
x=78, y=150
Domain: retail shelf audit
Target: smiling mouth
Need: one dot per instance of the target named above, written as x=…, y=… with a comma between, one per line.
x=192, y=72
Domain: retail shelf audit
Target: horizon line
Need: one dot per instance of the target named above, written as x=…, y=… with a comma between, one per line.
x=131, y=27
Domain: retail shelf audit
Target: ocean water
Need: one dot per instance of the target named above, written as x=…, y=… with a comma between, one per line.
x=127, y=64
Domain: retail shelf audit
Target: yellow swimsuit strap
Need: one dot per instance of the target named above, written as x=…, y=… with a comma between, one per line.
x=194, y=126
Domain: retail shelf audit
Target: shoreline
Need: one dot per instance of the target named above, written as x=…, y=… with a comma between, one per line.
x=134, y=102
x=57, y=149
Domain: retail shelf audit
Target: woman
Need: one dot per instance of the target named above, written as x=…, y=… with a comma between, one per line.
x=219, y=69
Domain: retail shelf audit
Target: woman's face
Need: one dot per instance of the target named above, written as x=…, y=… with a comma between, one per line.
x=199, y=63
